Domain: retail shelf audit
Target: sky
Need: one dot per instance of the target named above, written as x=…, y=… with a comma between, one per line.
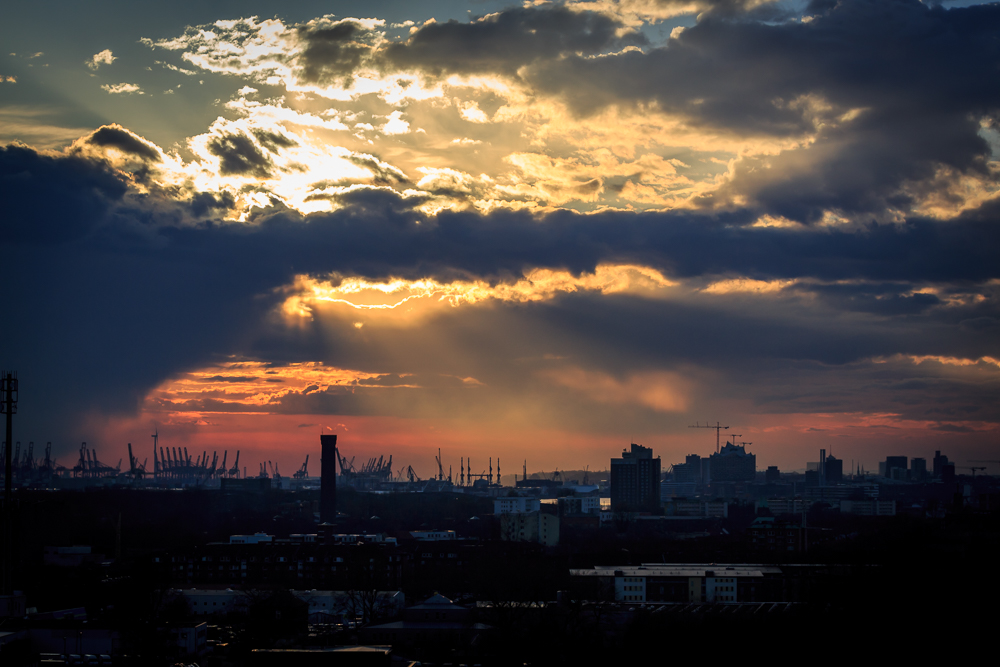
x=520, y=232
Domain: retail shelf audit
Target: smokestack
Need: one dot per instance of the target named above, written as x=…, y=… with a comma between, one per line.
x=328, y=479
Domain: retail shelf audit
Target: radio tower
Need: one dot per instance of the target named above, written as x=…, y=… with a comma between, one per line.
x=8, y=405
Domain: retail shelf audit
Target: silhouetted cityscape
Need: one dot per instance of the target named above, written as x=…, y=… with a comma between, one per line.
x=194, y=562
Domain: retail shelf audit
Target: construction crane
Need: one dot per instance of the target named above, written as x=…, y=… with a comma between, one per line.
x=345, y=465
x=235, y=470
x=410, y=475
x=303, y=472
x=440, y=467
x=988, y=461
x=132, y=468
x=974, y=469
x=718, y=429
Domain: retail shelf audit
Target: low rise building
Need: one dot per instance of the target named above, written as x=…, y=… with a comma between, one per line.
x=516, y=505
x=540, y=527
x=697, y=508
x=868, y=507
x=779, y=506
x=579, y=505
x=657, y=582
x=768, y=533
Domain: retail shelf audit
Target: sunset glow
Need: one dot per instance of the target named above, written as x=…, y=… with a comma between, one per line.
x=538, y=230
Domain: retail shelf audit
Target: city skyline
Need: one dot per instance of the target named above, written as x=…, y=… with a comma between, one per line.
x=539, y=231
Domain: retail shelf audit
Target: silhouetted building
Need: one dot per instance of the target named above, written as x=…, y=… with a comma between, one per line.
x=328, y=479
x=918, y=469
x=939, y=463
x=773, y=475
x=891, y=464
x=733, y=464
x=635, y=480
x=691, y=471
x=834, y=469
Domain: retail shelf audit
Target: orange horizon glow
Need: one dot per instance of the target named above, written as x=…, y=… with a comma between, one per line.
x=788, y=441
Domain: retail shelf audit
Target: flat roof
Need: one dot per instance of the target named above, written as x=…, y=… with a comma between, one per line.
x=677, y=570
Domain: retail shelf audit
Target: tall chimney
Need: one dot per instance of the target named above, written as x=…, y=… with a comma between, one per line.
x=328, y=479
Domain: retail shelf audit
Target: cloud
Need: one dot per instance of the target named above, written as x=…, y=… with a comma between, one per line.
x=637, y=11
x=117, y=137
x=662, y=392
x=122, y=88
x=102, y=58
x=868, y=143
x=54, y=200
x=506, y=41
x=239, y=155
x=769, y=216
x=806, y=118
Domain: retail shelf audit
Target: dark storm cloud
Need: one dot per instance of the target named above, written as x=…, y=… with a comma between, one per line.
x=239, y=156
x=206, y=203
x=115, y=136
x=507, y=40
x=380, y=234
x=742, y=74
x=53, y=200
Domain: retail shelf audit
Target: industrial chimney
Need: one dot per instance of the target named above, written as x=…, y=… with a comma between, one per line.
x=328, y=479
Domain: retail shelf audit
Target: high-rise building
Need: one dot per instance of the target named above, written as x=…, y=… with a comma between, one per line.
x=918, y=469
x=834, y=469
x=898, y=463
x=635, y=480
x=328, y=479
x=939, y=463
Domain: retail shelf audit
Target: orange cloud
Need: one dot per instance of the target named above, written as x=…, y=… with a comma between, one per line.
x=660, y=391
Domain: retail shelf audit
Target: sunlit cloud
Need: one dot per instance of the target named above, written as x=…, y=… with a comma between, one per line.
x=747, y=285
x=102, y=58
x=536, y=285
x=122, y=88
x=980, y=362
x=254, y=384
